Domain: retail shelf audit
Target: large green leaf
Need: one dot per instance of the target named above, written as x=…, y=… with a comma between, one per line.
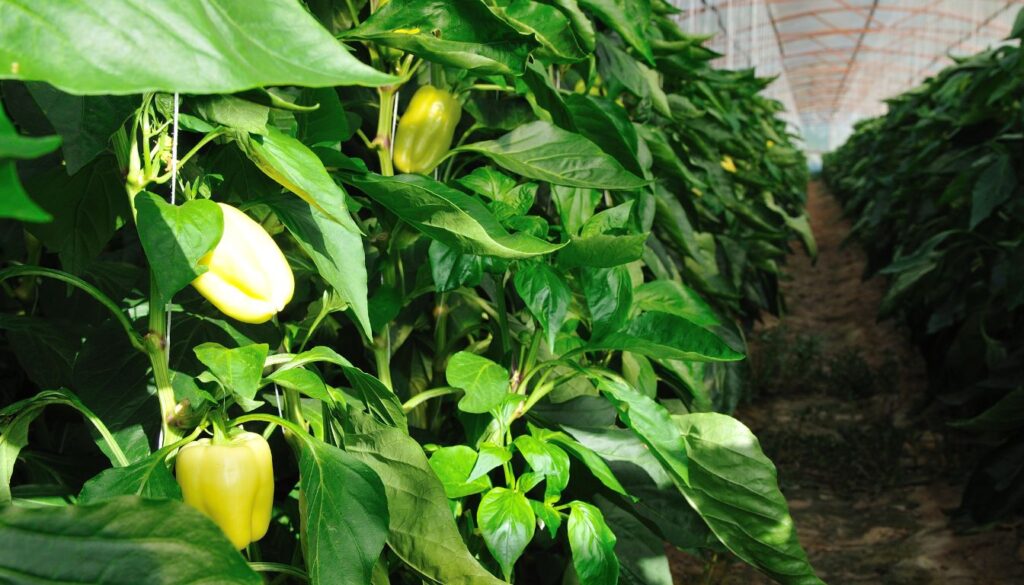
x=734, y=487
x=118, y=542
x=238, y=369
x=149, y=478
x=175, y=237
x=507, y=523
x=666, y=336
x=606, y=124
x=189, y=46
x=485, y=382
x=641, y=553
x=87, y=208
x=669, y=296
x=548, y=25
x=629, y=18
x=540, y=150
x=297, y=168
x=346, y=516
x=593, y=546
x=609, y=294
x=995, y=186
x=336, y=250
x=546, y=295
x=448, y=215
x=85, y=123
x=422, y=530
x=462, y=34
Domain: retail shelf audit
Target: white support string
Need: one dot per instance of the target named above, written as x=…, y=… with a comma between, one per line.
x=174, y=191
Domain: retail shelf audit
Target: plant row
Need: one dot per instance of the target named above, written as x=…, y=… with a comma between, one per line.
x=935, y=189
x=457, y=299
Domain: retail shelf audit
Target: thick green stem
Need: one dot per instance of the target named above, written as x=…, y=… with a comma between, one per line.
x=499, y=300
x=159, y=359
x=427, y=395
x=385, y=121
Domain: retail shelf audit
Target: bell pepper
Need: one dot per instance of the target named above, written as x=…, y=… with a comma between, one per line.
x=426, y=129
x=231, y=480
x=248, y=278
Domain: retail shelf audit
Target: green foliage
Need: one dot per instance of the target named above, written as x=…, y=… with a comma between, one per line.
x=498, y=373
x=936, y=192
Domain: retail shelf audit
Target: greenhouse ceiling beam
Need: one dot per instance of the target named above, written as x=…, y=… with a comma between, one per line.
x=913, y=11
x=853, y=57
x=938, y=34
x=865, y=49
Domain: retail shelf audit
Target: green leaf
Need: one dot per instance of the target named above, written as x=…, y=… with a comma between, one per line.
x=14, y=202
x=544, y=98
x=641, y=553
x=85, y=123
x=607, y=125
x=609, y=293
x=303, y=381
x=582, y=27
x=422, y=529
x=669, y=296
x=19, y=416
x=448, y=215
x=1018, y=27
x=585, y=455
x=995, y=187
x=346, y=517
x=653, y=424
x=451, y=269
x=239, y=370
x=466, y=35
x=549, y=26
x=666, y=336
x=547, y=517
x=453, y=466
x=336, y=250
x=149, y=478
x=549, y=461
x=602, y=251
x=546, y=296
x=87, y=209
x=205, y=47
x=328, y=124
x=575, y=206
x=593, y=546
x=175, y=237
x=233, y=112
x=491, y=456
x=14, y=145
x=507, y=524
x=484, y=381
x=629, y=18
x=540, y=150
x=734, y=488
x=382, y=403
x=118, y=541
x=297, y=168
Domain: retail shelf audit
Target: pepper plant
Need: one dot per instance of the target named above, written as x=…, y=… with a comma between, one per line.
x=941, y=214
x=511, y=362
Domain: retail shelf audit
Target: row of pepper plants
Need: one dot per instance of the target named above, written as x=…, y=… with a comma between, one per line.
x=935, y=189
x=395, y=292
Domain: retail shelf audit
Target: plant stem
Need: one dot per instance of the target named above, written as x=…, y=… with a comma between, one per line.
x=499, y=300
x=159, y=357
x=385, y=120
x=427, y=395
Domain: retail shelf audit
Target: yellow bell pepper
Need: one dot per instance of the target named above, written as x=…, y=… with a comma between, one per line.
x=248, y=278
x=728, y=164
x=231, y=480
x=426, y=129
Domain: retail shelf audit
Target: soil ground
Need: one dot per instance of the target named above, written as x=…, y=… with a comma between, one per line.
x=870, y=474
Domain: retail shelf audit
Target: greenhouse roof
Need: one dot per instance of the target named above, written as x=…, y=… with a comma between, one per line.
x=837, y=60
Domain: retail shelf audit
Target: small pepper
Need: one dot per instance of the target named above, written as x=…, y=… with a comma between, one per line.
x=231, y=480
x=248, y=278
x=426, y=129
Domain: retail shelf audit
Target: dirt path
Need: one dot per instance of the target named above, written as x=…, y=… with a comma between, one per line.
x=869, y=478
